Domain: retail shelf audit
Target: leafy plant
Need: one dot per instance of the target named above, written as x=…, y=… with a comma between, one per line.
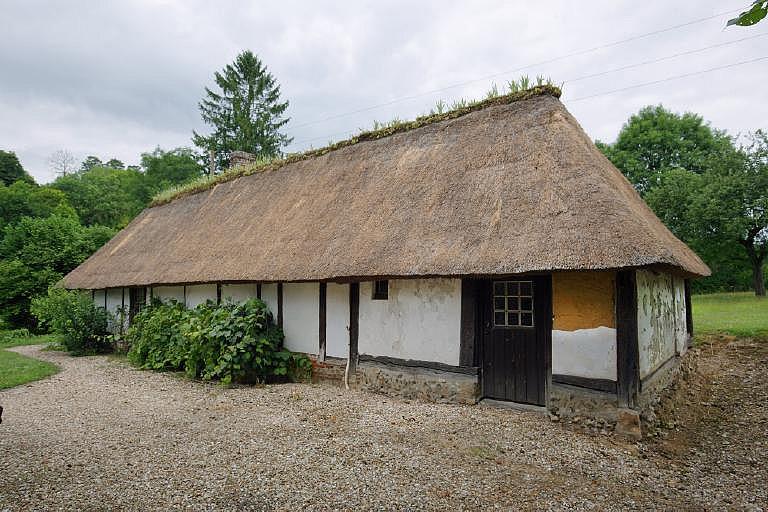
x=73, y=314
x=231, y=342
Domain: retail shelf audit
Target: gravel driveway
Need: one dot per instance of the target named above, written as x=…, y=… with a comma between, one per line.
x=100, y=435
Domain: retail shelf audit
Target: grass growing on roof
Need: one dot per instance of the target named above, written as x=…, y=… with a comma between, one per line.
x=381, y=130
x=739, y=314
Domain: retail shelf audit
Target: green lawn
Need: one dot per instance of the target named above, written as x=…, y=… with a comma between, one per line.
x=739, y=314
x=16, y=369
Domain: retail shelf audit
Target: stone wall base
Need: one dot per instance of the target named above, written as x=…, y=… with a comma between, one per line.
x=417, y=383
x=572, y=401
x=654, y=386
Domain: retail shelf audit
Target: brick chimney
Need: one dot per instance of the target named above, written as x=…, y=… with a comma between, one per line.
x=240, y=158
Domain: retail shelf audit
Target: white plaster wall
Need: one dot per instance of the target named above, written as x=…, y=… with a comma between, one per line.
x=421, y=320
x=337, y=320
x=301, y=317
x=681, y=330
x=269, y=296
x=166, y=293
x=238, y=292
x=114, y=302
x=656, y=320
x=589, y=353
x=199, y=293
x=98, y=298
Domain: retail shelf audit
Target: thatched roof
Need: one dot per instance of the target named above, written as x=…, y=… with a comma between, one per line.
x=511, y=188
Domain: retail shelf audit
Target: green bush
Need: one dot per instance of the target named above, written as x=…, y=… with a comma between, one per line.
x=232, y=342
x=73, y=314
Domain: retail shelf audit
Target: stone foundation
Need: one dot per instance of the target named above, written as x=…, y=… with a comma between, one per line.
x=653, y=387
x=571, y=401
x=417, y=383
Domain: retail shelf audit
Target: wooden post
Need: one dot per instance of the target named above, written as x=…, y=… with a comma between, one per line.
x=258, y=291
x=354, y=325
x=280, y=305
x=688, y=312
x=468, y=340
x=627, y=350
x=218, y=293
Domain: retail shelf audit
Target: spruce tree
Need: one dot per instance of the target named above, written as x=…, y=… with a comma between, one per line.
x=244, y=112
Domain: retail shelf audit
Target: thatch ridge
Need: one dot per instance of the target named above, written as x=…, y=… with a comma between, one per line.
x=205, y=183
x=509, y=189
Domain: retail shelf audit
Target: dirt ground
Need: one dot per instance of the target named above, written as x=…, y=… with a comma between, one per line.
x=102, y=436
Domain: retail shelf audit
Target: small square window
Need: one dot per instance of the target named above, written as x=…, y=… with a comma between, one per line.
x=380, y=290
x=513, y=303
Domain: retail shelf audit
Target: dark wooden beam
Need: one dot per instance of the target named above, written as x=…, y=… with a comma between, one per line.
x=258, y=291
x=412, y=363
x=604, y=385
x=321, y=321
x=185, y=295
x=218, y=293
x=627, y=351
x=469, y=322
x=280, y=305
x=688, y=308
x=354, y=324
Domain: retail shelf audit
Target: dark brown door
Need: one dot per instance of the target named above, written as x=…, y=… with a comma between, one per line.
x=517, y=333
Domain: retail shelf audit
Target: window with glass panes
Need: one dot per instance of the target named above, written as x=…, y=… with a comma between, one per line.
x=513, y=303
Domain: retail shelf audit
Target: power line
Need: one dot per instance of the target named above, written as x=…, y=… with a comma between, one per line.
x=507, y=72
x=605, y=93
x=661, y=59
x=667, y=79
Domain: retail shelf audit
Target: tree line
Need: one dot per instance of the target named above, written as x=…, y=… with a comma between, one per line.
x=47, y=230
x=709, y=190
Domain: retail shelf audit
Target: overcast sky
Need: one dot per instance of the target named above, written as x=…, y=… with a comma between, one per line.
x=116, y=79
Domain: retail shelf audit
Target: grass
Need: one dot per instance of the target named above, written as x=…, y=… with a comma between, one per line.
x=738, y=314
x=16, y=369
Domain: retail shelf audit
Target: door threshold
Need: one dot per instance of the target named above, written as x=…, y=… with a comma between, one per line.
x=517, y=406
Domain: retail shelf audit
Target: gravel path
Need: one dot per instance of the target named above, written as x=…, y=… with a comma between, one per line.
x=100, y=435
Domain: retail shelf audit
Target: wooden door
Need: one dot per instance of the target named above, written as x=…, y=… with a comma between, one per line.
x=517, y=334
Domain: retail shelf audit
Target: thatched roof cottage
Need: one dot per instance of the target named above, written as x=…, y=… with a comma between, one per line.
x=492, y=252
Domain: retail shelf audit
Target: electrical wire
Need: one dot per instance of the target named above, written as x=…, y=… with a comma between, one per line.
x=667, y=79
x=605, y=93
x=509, y=71
x=662, y=59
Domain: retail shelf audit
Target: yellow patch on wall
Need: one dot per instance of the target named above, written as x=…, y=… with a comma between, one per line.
x=583, y=300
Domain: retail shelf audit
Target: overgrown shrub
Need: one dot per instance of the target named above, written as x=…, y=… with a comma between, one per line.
x=82, y=324
x=232, y=342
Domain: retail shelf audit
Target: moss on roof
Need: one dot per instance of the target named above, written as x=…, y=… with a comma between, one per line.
x=207, y=182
